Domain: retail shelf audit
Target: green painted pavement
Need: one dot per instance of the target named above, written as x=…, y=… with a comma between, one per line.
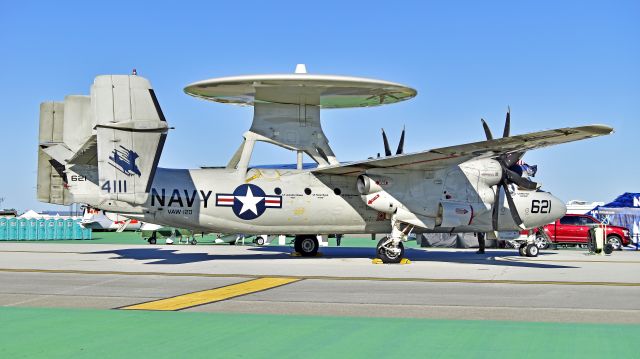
x=79, y=333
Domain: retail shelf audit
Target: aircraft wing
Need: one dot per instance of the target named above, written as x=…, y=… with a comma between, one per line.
x=453, y=155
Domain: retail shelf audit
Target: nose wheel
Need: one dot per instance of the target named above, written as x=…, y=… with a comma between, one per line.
x=528, y=250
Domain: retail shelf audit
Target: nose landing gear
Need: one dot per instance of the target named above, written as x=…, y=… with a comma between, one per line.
x=528, y=250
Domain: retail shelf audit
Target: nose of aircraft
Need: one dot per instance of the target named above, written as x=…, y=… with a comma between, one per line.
x=558, y=208
x=543, y=208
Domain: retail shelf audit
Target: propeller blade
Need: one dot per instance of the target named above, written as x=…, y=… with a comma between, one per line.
x=387, y=149
x=522, y=182
x=487, y=130
x=512, y=205
x=507, y=123
x=495, y=209
x=400, y=149
x=511, y=159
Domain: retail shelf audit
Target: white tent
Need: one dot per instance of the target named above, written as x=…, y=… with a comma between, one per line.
x=30, y=214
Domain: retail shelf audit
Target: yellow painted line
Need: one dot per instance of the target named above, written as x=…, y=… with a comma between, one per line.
x=213, y=295
x=319, y=277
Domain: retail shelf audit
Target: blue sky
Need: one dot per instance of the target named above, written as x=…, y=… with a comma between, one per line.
x=556, y=63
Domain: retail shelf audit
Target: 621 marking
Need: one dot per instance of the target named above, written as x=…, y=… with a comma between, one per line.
x=115, y=186
x=540, y=206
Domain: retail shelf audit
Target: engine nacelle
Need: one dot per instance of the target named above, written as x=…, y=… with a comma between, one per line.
x=381, y=201
x=489, y=170
x=368, y=184
x=453, y=214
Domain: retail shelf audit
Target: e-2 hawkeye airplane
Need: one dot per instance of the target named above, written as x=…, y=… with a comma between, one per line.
x=103, y=150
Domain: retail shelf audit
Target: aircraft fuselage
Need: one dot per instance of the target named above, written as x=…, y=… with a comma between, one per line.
x=276, y=201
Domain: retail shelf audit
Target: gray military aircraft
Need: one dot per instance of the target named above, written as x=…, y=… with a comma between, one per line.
x=103, y=150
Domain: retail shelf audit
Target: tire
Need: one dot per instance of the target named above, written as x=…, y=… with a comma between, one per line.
x=152, y=240
x=532, y=250
x=232, y=243
x=385, y=256
x=542, y=242
x=615, y=241
x=260, y=241
x=608, y=248
x=523, y=250
x=193, y=242
x=307, y=246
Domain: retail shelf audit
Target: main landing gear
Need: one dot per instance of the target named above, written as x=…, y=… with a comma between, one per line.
x=306, y=245
x=390, y=249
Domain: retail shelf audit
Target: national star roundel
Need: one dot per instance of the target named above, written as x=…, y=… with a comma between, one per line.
x=248, y=201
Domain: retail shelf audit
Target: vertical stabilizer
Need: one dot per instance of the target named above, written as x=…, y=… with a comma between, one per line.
x=102, y=147
x=51, y=184
x=131, y=130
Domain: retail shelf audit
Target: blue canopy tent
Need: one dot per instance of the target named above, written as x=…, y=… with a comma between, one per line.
x=624, y=211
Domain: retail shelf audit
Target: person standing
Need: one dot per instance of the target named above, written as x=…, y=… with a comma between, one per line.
x=481, y=243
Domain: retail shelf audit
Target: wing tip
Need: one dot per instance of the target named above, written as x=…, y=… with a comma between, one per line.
x=598, y=130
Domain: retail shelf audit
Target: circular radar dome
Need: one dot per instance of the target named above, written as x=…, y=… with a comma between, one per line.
x=325, y=91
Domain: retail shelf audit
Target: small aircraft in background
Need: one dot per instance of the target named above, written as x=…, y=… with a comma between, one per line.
x=103, y=149
x=100, y=220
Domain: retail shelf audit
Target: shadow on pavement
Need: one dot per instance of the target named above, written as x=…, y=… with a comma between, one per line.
x=174, y=256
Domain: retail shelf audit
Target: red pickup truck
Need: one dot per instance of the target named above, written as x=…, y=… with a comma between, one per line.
x=574, y=228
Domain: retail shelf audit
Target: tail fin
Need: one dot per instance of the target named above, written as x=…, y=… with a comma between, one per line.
x=51, y=187
x=131, y=130
x=101, y=147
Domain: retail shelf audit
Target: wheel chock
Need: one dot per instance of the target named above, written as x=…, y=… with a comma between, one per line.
x=297, y=254
x=379, y=261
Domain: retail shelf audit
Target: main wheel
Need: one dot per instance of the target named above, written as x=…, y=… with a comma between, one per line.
x=522, y=250
x=307, y=246
x=152, y=240
x=532, y=250
x=260, y=241
x=390, y=255
x=615, y=242
x=193, y=241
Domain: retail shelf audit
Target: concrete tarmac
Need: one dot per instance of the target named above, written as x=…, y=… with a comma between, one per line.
x=557, y=286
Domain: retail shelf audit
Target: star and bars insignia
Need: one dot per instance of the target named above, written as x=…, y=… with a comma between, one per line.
x=248, y=201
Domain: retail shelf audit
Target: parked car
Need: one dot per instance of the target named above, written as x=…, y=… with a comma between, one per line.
x=574, y=229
